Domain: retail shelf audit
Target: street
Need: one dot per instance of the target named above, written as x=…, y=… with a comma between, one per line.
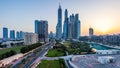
x=42, y=52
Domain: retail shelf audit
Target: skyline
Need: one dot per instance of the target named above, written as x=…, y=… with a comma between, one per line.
x=19, y=16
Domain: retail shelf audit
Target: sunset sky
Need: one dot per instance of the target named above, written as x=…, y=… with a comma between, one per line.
x=102, y=15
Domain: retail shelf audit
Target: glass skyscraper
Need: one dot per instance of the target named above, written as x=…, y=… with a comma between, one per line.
x=65, y=26
x=41, y=28
x=18, y=35
x=59, y=24
x=5, y=33
x=12, y=34
x=21, y=35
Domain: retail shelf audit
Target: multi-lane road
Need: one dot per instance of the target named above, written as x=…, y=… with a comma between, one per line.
x=44, y=48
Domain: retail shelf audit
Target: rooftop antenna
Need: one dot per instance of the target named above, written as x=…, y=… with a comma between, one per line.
x=59, y=5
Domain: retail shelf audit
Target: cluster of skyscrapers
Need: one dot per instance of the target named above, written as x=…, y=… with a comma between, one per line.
x=71, y=27
x=40, y=35
x=12, y=35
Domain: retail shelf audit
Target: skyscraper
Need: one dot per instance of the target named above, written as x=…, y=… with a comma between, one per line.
x=91, y=32
x=59, y=24
x=5, y=33
x=21, y=35
x=65, y=26
x=77, y=26
x=18, y=35
x=51, y=35
x=41, y=28
x=12, y=34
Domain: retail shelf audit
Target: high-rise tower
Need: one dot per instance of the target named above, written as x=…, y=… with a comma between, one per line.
x=91, y=32
x=65, y=26
x=59, y=24
x=41, y=28
x=5, y=33
x=12, y=34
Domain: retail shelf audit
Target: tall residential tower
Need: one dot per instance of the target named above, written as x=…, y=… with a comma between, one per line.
x=12, y=34
x=5, y=33
x=41, y=28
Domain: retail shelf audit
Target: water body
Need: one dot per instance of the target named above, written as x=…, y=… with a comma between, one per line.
x=100, y=46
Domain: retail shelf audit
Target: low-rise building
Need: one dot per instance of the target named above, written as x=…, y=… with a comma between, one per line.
x=30, y=38
x=106, y=59
x=10, y=43
x=108, y=52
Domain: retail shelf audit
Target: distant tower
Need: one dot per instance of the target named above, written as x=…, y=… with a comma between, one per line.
x=5, y=33
x=91, y=32
x=21, y=34
x=12, y=34
x=77, y=27
x=65, y=26
x=41, y=28
x=51, y=35
x=59, y=24
x=18, y=35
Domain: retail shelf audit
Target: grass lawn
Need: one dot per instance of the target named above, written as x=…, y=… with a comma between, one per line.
x=55, y=53
x=51, y=64
x=66, y=43
x=17, y=49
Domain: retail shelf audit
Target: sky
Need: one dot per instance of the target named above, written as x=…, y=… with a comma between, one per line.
x=102, y=15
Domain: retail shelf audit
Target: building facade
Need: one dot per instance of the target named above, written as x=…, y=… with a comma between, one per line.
x=91, y=32
x=59, y=24
x=21, y=35
x=30, y=38
x=41, y=28
x=65, y=26
x=5, y=33
x=18, y=35
x=12, y=34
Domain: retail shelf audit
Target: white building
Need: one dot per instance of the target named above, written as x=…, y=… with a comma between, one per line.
x=108, y=52
x=30, y=38
x=106, y=59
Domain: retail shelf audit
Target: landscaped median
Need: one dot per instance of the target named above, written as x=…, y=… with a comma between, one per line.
x=52, y=64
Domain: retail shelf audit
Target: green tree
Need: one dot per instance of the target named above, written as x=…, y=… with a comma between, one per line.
x=12, y=44
x=12, y=52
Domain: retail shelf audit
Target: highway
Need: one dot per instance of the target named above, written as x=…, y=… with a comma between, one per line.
x=44, y=48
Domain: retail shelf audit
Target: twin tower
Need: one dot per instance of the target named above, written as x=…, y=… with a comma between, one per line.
x=71, y=27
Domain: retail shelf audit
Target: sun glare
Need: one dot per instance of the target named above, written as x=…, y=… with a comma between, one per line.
x=103, y=25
